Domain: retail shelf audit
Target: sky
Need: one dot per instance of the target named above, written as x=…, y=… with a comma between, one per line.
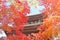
x=34, y=11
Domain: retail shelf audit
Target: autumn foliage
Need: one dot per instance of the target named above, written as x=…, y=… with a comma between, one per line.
x=13, y=18
x=50, y=27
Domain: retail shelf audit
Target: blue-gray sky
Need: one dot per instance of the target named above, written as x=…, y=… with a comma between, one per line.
x=34, y=10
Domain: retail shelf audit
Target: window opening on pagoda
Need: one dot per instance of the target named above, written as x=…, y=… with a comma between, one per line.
x=31, y=22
